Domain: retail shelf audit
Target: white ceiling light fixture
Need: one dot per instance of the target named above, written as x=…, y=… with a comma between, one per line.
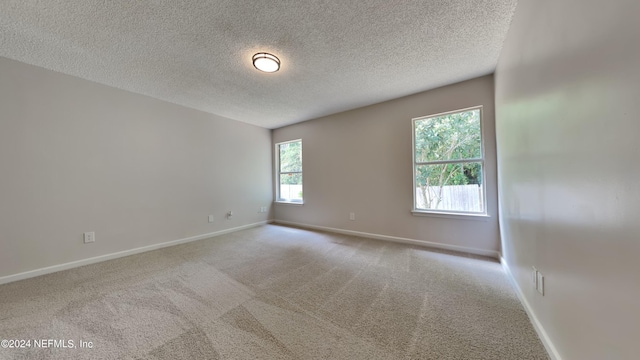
x=266, y=62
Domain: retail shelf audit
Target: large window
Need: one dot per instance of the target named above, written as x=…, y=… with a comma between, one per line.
x=448, y=163
x=289, y=171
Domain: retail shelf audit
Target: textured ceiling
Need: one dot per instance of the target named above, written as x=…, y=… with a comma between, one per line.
x=336, y=55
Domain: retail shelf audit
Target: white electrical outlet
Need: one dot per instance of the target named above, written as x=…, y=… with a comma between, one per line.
x=540, y=283
x=210, y=218
x=229, y=215
x=534, y=277
x=89, y=237
x=352, y=216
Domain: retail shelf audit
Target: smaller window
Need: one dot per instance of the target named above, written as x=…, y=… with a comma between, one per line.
x=448, y=163
x=289, y=171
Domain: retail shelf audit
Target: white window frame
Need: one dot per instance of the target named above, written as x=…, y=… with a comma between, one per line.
x=481, y=160
x=278, y=173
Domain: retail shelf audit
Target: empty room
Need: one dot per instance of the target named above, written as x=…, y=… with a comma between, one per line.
x=378, y=179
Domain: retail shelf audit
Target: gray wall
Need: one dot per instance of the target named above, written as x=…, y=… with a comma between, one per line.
x=360, y=161
x=77, y=156
x=567, y=96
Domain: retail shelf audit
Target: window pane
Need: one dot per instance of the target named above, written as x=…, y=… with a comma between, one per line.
x=450, y=187
x=291, y=187
x=291, y=156
x=449, y=137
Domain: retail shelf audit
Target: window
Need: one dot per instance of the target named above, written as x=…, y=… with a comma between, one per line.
x=289, y=171
x=448, y=163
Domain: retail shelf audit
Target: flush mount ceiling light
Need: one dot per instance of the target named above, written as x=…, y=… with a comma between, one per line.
x=266, y=62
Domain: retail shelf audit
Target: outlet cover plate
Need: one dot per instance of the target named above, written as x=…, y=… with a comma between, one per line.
x=89, y=237
x=540, y=283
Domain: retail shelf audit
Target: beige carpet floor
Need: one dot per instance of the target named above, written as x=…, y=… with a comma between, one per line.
x=274, y=292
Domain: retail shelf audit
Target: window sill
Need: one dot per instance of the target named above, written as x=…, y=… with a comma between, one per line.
x=457, y=216
x=282, y=202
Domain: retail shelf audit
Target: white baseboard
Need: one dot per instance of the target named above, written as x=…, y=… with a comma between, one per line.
x=97, y=259
x=469, y=250
x=542, y=334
